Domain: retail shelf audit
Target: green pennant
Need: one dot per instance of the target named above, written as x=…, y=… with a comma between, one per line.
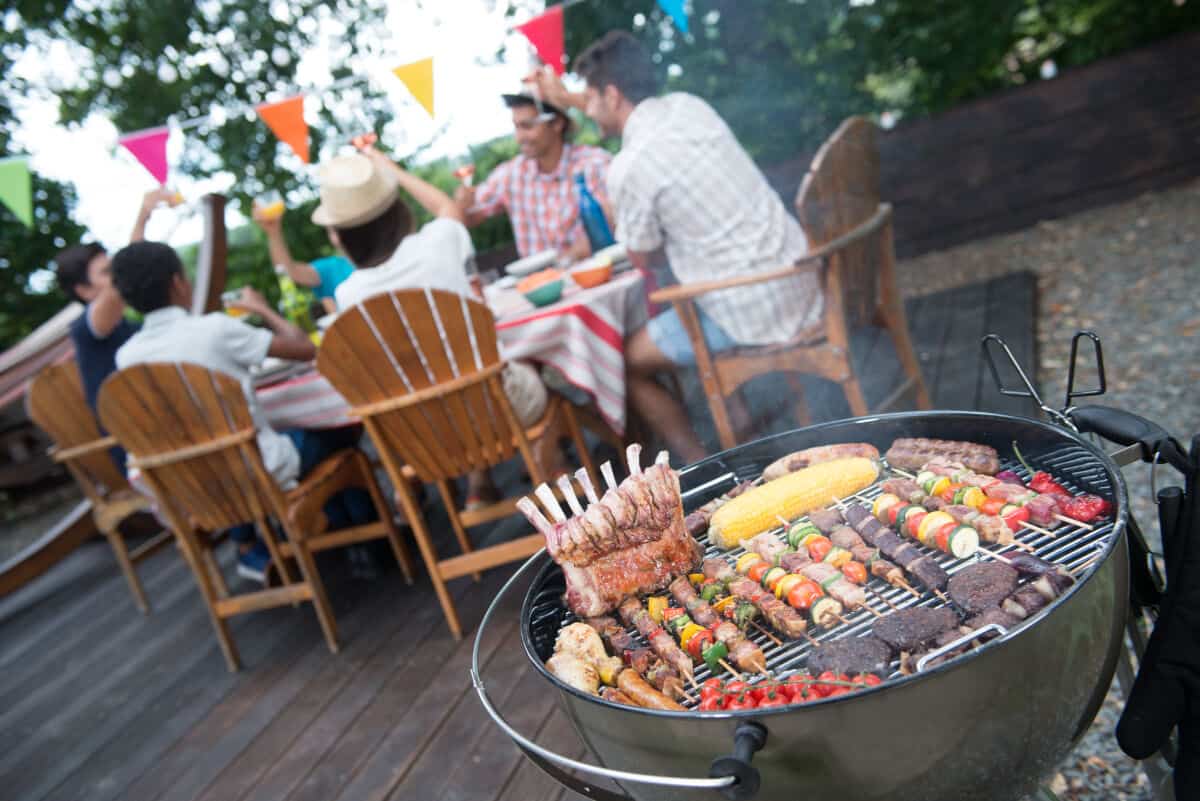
x=15, y=188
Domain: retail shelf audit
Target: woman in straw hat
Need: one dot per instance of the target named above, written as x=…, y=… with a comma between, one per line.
x=375, y=229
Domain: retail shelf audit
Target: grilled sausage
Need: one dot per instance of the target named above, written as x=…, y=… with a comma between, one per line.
x=616, y=696
x=913, y=453
x=810, y=456
x=641, y=693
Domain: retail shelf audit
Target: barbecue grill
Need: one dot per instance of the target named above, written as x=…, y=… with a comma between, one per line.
x=985, y=724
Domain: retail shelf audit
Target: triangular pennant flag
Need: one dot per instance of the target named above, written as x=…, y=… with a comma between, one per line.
x=286, y=119
x=150, y=149
x=418, y=77
x=674, y=9
x=545, y=33
x=15, y=188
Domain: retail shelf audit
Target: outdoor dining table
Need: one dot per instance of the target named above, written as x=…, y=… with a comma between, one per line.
x=581, y=336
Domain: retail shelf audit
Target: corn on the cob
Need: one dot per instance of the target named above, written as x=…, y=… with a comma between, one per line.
x=794, y=494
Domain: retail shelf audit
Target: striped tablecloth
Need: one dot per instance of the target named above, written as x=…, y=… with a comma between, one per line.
x=582, y=337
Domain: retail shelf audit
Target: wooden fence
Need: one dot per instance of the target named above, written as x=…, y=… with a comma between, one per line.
x=1094, y=135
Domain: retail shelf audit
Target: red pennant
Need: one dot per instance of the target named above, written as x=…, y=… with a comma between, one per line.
x=545, y=33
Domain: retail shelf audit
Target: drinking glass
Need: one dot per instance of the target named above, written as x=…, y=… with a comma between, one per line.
x=229, y=296
x=269, y=205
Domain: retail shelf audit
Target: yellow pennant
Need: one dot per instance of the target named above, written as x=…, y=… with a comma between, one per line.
x=418, y=77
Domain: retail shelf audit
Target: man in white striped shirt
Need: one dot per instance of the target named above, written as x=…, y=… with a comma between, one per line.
x=682, y=184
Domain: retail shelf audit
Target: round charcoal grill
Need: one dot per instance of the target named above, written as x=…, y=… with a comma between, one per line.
x=986, y=724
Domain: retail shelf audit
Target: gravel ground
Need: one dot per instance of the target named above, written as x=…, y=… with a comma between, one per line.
x=1128, y=272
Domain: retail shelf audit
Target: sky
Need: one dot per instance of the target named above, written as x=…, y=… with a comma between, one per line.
x=110, y=183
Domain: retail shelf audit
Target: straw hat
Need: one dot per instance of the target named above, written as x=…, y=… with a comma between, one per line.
x=353, y=191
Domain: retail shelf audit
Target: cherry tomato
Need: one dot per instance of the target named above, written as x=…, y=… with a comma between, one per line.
x=912, y=523
x=712, y=704
x=711, y=688
x=798, y=686
x=855, y=572
x=802, y=595
x=942, y=538
x=740, y=701
x=821, y=689
x=992, y=506
x=819, y=547
x=894, y=511
x=868, y=679
x=947, y=494
x=838, y=690
x=763, y=689
x=734, y=688
x=1017, y=518
x=756, y=571
x=772, y=699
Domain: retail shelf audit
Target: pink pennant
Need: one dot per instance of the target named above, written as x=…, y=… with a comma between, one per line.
x=545, y=33
x=150, y=148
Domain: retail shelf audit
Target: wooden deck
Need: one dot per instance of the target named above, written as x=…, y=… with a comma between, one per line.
x=97, y=702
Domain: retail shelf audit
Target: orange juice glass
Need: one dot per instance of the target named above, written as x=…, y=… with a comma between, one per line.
x=269, y=205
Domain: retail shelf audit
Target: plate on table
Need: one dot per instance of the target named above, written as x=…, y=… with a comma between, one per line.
x=531, y=264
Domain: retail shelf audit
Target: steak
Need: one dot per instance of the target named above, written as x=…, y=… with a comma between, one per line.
x=909, y=629
x=851, y=655
x=981, y=586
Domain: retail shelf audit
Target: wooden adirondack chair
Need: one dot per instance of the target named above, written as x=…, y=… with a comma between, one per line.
x=57, y=404
x=850, y=239
x=188, y=429
x=422, y=370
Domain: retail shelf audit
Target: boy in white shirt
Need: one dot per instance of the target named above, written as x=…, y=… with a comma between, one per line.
x=150, y=278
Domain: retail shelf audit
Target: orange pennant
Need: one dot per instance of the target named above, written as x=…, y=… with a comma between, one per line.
x=286, y=120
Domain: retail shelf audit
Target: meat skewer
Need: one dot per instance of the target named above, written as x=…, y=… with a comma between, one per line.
x=620, y=642
x=919, y=565
x=744, y=653
x=817, y=588
x=780, y=616
x=632, y=614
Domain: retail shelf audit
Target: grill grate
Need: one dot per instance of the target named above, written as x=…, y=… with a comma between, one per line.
x=1070, y=546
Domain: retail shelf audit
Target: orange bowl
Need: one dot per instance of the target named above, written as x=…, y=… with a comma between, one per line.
x=592, y=276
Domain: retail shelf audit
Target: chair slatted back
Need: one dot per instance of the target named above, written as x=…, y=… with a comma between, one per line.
x=422, y=368
x=189, y=430
x=839, y=192
x=57, y=404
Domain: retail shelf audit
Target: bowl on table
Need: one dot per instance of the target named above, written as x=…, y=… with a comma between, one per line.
x=592, y=272
x=542, y=288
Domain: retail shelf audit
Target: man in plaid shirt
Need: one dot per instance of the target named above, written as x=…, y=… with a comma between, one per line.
x=537, y=188
x=682, y=184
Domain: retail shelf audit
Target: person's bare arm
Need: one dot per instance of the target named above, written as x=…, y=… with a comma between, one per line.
x=301, y=272
x=150, y=201
x=290, y=341
x=432, y=199
x=550, y=87
x=464, y=198
x=105, y=312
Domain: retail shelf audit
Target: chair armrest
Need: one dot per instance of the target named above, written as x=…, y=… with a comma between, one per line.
x=67, y=454
x=809, y=262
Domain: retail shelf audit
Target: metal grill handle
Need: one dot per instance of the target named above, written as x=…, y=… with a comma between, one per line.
x=950, y=646
x=541, y=756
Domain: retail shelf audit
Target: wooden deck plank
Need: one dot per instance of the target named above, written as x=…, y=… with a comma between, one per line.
x=299, y=739
x=42, y=616
x=410, y=696
x=1011, y=312
x=141, y=745
x=365, y=635
x=487, y=757
x=530, y=781
x=62, y=739
x=86, y=650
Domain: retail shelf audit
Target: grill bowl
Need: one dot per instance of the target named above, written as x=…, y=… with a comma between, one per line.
x=986, y=725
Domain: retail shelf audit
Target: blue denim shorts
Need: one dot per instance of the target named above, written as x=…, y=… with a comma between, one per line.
x=671, y=337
